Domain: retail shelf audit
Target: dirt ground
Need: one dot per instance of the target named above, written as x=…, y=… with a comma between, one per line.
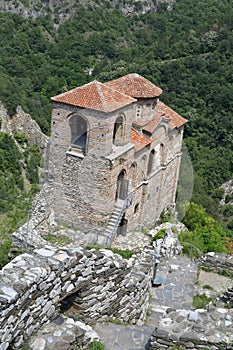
x=217, y=282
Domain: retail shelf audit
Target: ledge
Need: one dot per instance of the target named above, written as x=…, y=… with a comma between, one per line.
x=75, y=153
x=119, y=150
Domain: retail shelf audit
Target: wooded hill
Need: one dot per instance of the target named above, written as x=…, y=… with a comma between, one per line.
x=186, y=51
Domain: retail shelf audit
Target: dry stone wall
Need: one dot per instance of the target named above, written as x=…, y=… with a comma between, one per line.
x=208, y=328
x=221, y=263
x=103, y=286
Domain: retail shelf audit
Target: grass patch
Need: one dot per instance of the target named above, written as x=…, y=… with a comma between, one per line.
x=200, y=301
x=4, y=251
x=96, y=345
x=207, y=286
x=125, y=253
x=59, y=240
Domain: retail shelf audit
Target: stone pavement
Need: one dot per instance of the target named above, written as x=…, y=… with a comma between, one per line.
x=176, y=292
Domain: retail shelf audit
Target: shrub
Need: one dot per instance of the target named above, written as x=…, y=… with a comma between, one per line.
x=96, y=345
x=21, y=138
x=228, y=198
x=159, y=235
x=4, y=251
x=205, y=232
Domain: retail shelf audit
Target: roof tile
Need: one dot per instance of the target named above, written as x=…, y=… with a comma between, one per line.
x=176, y=120
x=139, y=140
x=95, y=95
x=135, y=85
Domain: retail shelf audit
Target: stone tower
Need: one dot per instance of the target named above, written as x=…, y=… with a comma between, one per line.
x=115, y=155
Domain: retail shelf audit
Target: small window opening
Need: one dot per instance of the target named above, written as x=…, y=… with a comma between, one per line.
x=138, y=111
x=136, y=208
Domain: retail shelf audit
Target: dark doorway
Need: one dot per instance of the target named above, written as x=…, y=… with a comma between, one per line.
x=122, y=228
x=122, y=186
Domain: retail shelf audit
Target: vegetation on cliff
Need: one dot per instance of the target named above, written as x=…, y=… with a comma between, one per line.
x=186, y=51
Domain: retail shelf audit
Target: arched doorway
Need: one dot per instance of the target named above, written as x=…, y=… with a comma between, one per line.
x=122, y=186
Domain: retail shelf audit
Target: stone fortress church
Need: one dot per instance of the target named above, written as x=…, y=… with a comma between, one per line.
x=115, y=154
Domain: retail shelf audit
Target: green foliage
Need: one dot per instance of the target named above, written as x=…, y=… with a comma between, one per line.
x=200, y=301
x=166, y=216
x=206, y=286
x=96, y=345
x=125, y=253
x=228, y=198
x=25, y=346
x=33, y=161
x=59, y=240
x=159, y=235
x=204, y=231
x=11, y=182
x=20, y=138
x=4, y=250
x=14, y=200
x=186, y=51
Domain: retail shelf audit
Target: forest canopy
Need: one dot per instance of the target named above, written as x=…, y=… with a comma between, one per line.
x=186, y=51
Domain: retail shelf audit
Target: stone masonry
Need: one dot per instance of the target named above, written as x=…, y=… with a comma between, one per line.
x=114, y=156
x=102, y=284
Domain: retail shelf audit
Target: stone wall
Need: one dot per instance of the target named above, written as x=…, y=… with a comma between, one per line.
x=221, y=263
x=208, y=328
x=102, y=285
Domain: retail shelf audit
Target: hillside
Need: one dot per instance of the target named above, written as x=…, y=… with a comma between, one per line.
x=186, y=50
x=61, y=10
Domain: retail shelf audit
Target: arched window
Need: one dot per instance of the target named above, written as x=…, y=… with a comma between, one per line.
x=143, y=167
x=78, y=128
x=118, y=131
x=151, y=162
x=121, y=186
x=134, y=171
x=162, y=154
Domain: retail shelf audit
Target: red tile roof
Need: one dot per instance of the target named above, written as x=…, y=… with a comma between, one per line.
x=95, y=95
x=139, y=140
x=176, y=120
x=135, y=85
x=152, y=125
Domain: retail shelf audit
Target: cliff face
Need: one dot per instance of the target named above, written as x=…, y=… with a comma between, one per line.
x=22, y=123
x=61, y=10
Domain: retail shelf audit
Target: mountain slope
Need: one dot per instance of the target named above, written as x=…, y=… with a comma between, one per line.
x=61, y=10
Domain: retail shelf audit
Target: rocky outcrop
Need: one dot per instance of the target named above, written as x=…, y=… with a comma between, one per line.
x=228, y=193
x=64, y=10
x=22, y=123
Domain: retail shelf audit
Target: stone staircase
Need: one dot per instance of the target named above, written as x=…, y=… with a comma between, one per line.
x=115, y=220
